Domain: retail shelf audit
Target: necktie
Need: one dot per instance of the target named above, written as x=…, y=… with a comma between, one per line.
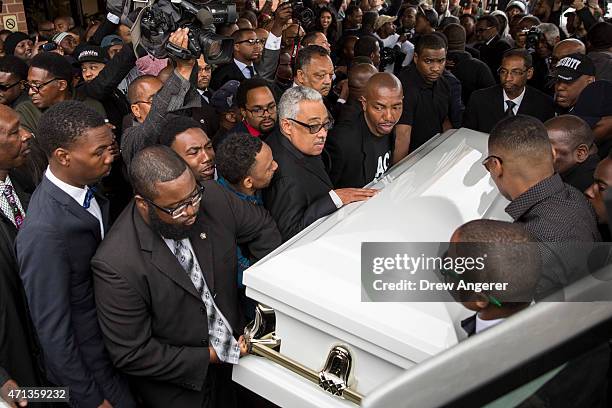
x=88, y=197
x=510, y=109
x=10, y=197
x=220, y=337
x=207, y=95
x=251, y=71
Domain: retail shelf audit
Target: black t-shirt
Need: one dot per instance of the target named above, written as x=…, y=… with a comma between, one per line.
x=425, y=106
x=380, y=147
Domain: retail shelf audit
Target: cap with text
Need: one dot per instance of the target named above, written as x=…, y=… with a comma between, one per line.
x=572, y=67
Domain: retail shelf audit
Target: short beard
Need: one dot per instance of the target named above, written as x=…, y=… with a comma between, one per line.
x=169, y=231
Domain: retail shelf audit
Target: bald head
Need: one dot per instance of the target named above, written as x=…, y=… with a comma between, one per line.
x=572, y=141
x=139, y=88
x=383, y=80
x=566, y=47
x=358, y=77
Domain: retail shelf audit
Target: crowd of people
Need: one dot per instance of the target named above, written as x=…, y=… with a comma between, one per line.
x=134, y=190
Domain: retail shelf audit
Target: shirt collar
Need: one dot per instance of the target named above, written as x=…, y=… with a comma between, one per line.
x=516, y=100
x=241, y=65
x=254, y=132
x=5, y=183
x=482, y=325
x=256, y=199
x=78, y=194
x=540, y=191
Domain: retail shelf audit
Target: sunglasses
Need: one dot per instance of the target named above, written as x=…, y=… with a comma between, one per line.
x=314, y=129
x=251, y=41
x=37, y=87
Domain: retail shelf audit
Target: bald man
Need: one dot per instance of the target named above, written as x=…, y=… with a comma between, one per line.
x=574, y=150
x=360, y=150
x=140, y=95
x=358, y=77
x=521, y=164
x=566, y=47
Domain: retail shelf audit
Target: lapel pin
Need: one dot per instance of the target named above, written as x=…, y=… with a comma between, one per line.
x=202, y=236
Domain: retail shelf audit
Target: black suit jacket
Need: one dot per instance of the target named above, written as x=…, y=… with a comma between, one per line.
x=19, y=351
x=353, y=160
x=493, y=53
x=224, y=73
x=486, y=107
x=207, y=117
x=54, y=248
x=154, y=321
x=299, y=192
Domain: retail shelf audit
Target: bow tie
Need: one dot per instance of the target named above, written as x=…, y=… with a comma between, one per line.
x=88, y=196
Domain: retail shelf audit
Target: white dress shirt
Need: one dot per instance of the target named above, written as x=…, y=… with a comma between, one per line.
x=78, y=194
x=243, y=68
x=517, y=101
x=482, y=325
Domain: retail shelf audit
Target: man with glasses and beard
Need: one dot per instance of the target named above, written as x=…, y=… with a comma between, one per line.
x=258, y=108
x=165, y=283
x=301, y=191
x=511, y=97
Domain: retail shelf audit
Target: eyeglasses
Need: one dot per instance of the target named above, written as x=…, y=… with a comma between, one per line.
x=487, y=159
x=314, y=129
x=482, y=30
x=4, y=88
x=179, y=210
x=513, y=72
x=259, y=111
x=251, y=41
x=36, y=88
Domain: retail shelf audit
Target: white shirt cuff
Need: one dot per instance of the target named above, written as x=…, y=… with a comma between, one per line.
x=340, y=100
x=335, y=198
x=113, y=18
x=273, y=42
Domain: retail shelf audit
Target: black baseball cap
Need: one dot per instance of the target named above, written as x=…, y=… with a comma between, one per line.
x=572, y=67
x=91, y=53
x=594, y=102
x=224, y=99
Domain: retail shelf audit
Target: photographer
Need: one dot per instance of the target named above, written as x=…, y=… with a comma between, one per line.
x=541, y=41
x=178, y=93
x=397, y=51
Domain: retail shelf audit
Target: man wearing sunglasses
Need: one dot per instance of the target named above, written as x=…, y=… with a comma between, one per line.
x=247, y=49
x=13, y=71
x=301, y=191
x=166, y=283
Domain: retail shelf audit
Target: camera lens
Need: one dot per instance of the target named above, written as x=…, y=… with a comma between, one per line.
x=215, y=49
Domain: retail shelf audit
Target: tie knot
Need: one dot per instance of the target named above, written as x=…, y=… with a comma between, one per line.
x=510, y=104
x=88, y=196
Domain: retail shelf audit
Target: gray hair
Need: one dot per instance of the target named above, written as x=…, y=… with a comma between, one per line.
x=550, y=32
x=289, y=104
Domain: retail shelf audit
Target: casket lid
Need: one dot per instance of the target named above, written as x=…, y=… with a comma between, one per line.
x=422, y=199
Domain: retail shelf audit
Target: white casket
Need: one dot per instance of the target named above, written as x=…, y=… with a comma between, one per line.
x=313, y=282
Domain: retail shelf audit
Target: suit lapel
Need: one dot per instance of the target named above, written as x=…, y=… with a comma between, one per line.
x=525, y=102
x=161, y=256
x=104, y=209
x=469, y=325
x=202, y=246
x=72, y=207
x=310, y=164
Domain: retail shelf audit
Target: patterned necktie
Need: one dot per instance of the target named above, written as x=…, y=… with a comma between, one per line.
x=10, y=197
x=510, y=109
x=220, y=337
x=88, y=197
x=251, y=71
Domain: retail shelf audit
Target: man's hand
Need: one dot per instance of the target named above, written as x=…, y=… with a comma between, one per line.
x=180, y=39
x=105, y=404
x=281, y=18
x=6, y=388
x=244, y=349
x=351, y=195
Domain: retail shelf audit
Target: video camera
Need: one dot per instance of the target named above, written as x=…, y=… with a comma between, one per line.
x=532, y=39
x=157, y=21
